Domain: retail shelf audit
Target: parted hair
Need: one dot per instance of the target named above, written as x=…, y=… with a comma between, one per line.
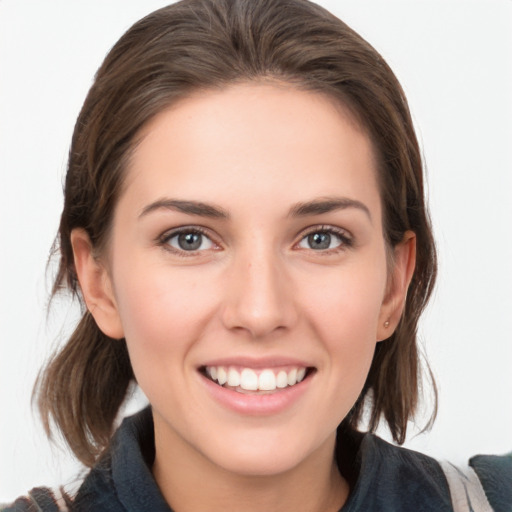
x=198, y=45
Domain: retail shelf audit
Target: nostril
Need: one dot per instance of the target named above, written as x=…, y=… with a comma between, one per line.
x=258, y=296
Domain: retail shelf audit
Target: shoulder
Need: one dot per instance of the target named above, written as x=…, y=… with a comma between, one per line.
x=495, y=475
x=92, y=493
x=40, y=499
x=403, y=479
x=409, y=475
x=120, y=480
x=392, y=478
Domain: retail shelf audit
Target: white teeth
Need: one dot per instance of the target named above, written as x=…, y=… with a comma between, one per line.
x=233, y=378
x=282, y=379
x=248, y=379
x=292, y=377
x=222, y=376
x=267, y=380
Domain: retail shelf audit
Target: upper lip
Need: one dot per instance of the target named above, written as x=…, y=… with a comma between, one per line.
x=257, y=363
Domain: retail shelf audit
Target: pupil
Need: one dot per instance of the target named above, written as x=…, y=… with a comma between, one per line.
x=190, y=241
x=319, y=240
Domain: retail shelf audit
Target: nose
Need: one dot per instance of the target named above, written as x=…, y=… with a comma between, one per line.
x=259, y=295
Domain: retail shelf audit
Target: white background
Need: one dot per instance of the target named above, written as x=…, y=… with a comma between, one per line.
x=454, y=61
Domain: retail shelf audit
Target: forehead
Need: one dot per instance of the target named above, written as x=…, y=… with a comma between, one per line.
x=266, y=139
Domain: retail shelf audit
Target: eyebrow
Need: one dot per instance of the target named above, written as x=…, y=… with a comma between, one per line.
x=190, y=207
x=303, y=209
x=326, y=205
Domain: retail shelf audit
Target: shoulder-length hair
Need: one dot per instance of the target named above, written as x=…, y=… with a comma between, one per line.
x=208, y=44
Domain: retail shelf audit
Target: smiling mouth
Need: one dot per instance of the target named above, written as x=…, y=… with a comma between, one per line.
x=261, y=381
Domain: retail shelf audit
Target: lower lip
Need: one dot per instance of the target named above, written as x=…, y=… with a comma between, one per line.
x=254, y=404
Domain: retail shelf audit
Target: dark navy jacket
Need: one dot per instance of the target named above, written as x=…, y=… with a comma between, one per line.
x=382, y=477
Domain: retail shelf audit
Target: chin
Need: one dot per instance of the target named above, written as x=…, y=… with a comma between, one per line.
x=260, y=463
x=267, y=455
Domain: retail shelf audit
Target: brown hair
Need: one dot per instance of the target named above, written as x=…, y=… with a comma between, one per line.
x=202, y=44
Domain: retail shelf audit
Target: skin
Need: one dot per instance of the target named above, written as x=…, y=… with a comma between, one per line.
x=255, y=290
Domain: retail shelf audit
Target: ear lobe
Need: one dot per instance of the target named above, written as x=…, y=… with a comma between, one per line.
x=95, y=284
x=404, y=263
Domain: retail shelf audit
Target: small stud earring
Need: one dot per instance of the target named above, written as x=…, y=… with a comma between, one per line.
x=386, y=324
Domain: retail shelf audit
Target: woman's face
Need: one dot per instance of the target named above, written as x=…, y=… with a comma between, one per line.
x=247, y=245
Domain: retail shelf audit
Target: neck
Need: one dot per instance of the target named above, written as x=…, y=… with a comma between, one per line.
x=191, y=483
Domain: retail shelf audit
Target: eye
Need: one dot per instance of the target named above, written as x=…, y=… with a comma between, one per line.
x=190, y=240
x=324, y=239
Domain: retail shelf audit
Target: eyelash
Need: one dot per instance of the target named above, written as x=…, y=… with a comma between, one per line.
x=346, y=241
x=165, y=238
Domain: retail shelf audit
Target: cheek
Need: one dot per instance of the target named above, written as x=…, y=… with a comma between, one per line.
x=351, y=337
x=345, y=314
x=348, y=302
x=162, y=312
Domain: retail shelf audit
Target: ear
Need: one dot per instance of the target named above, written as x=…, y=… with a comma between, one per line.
x=404, y=262
x=96, y=285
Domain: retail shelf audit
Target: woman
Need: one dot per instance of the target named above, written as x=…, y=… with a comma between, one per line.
x=244, y=220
